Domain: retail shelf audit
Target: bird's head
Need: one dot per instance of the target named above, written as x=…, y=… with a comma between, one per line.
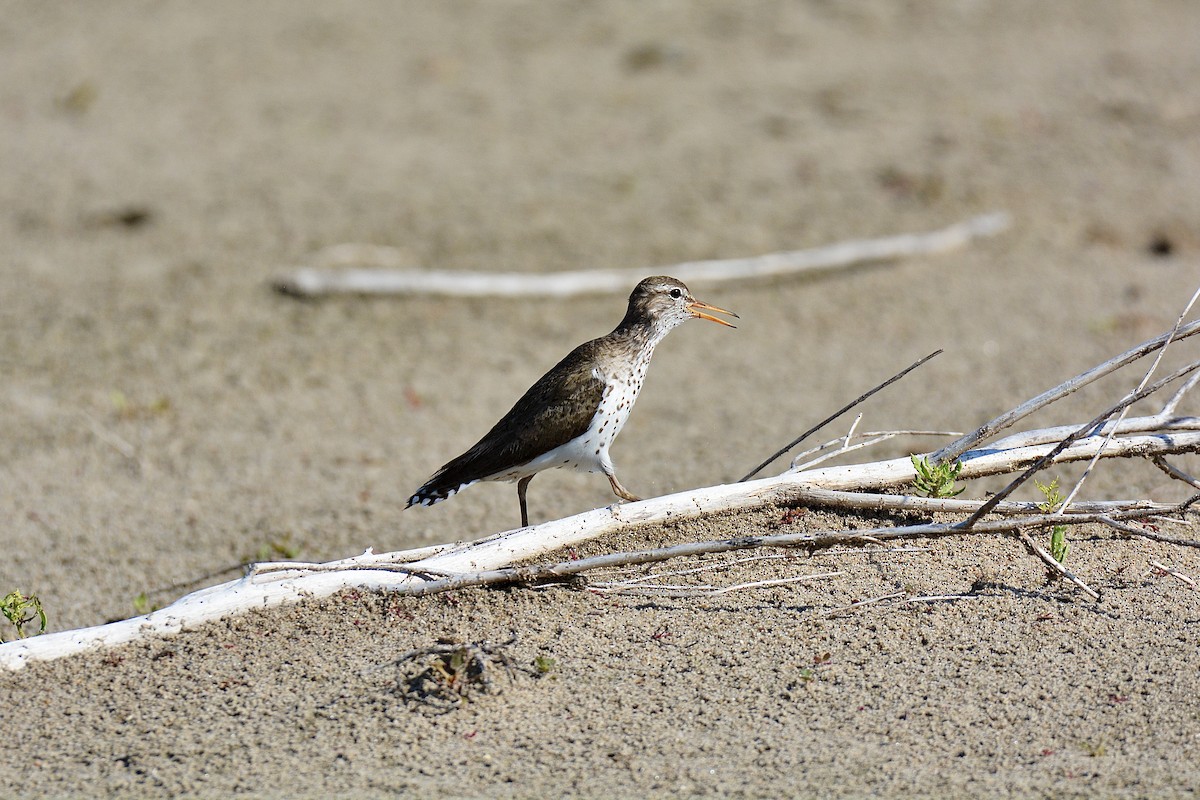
x=662, y=302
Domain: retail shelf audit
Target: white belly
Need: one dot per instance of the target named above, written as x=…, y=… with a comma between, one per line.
x=588, y=452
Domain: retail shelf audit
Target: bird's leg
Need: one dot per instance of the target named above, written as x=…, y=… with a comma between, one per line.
x=522, y=485
x=620, y=491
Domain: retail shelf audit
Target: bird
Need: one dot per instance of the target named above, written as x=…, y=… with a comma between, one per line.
x=570, y=416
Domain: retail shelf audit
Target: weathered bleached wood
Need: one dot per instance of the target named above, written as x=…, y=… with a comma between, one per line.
x=1146, y=533
x=1085, y=431
x=852, y=441
x=1141, y=387
x=419, y=572
x=313, y=282
x=1009, y=418
x=1055, y=566
x=810, y=540
x=862, y=397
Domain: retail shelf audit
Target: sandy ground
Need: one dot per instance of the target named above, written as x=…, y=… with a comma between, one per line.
x=163, y=415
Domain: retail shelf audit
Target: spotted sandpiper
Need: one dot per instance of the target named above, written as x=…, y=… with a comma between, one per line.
x=570, y=417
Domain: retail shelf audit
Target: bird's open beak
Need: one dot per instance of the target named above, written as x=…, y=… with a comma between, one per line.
x=695, y=305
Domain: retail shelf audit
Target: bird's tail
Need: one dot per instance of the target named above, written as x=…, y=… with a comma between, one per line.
x=435, y=490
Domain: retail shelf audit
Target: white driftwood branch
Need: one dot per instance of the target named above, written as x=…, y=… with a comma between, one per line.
x=313, y=282
x=1174, y=332
x=1007, y=419
x=704, y=590
x=1174, y=573
x=418, y=572
x=1054, y=565
x=851, y=441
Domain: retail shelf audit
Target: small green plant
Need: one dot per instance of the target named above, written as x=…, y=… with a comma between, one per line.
x=544, y=664
x=452, y=670
x=1050, y=491
x=1058, y=543
x=142, y=604
x=452, y=674
x=936, y=480
x=282, y=547
x=20, y=610
x=809, y=674
x=124, y=408
x=1058, y=533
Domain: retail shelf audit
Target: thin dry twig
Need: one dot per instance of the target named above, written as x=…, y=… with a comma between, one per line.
x=900, y=598
x=1055, y=566
x=1005, y=420
x=1079, y=433
x=1125, y=411
x=368, y=560
x=1174, y=471
x=861, y=398
x=1151, y=425
x=681, y=590
x=935, y=598
x=853, y=428
x=705, y=566
x=1146, y=533
x=775, y=582
x=844, y=446
x=117, y=443
x=1174, y=573
x=1169, y=407
x=838, y=552
x=1174, y=521
x=870, y=501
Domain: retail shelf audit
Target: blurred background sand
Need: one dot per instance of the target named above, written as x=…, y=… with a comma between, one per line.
x=165, y=415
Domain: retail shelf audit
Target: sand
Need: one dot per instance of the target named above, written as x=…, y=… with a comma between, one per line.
x=164, y=415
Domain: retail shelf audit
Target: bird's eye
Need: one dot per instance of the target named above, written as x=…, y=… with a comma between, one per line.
x=677, y=293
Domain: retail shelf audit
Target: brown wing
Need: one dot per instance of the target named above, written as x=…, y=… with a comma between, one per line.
x=555, y=410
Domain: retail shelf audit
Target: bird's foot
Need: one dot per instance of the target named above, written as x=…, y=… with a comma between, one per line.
x=620, y=491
